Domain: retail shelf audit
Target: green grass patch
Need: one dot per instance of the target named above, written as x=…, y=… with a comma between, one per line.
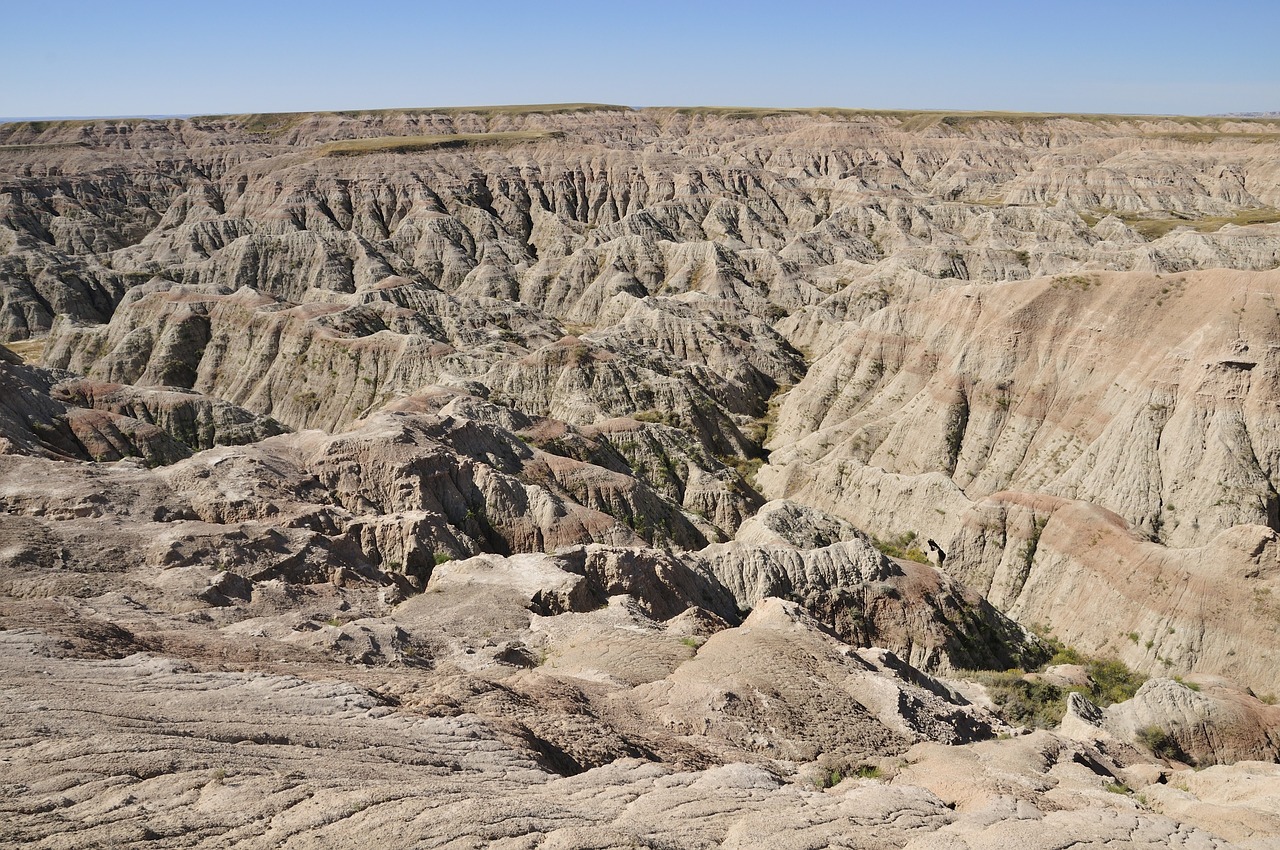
x=746, y=467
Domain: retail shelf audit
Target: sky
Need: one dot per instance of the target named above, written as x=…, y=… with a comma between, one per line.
x=143, y=57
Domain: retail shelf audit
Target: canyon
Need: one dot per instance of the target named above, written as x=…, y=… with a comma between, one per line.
x=586, y=476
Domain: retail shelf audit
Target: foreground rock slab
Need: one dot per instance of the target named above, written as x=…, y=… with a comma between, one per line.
x=152, y=751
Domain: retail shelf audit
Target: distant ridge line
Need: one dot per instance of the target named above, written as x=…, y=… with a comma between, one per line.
x=724, y=111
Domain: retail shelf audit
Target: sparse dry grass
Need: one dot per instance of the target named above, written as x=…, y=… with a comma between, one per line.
x=1209, y=137
x=515, y=109
x=30, y=350
x=409, y=144
x=945, y=116
x=41, y=126
x=1199, y=128
x=1208, y=128
x=1082, y=282
x=271, y=123
x=751, y=112
x=276, y=123
x=1102, y=118
x=1153, y=227
x=42, y=147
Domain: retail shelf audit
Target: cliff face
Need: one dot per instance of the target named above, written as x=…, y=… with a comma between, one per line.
x=582, y=426
x=1145, y=400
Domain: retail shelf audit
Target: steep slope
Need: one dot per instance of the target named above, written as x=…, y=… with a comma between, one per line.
x=1149, y=396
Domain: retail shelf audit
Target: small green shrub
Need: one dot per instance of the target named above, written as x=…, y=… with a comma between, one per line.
x=1033, y=544
x=1022, y=702
x=1063, y=654
x=1161, y=743
x=1041, y=704
x=1113, y=681
x=903, y=546
x=656, y=417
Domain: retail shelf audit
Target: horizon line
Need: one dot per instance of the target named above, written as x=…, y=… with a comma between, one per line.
x=536, y=108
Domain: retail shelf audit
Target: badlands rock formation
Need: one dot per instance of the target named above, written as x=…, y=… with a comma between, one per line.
x=523, y=477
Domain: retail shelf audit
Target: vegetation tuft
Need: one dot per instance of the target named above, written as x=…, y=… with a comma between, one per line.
x=904, y=546
x=1161, y=743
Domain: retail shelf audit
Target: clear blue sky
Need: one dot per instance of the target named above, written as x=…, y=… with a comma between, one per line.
x=136, y=57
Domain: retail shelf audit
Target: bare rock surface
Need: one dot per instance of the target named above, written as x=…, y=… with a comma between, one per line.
x=870, y=599
x=175, y=755
x=1237, y=802
x=1204, y=722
